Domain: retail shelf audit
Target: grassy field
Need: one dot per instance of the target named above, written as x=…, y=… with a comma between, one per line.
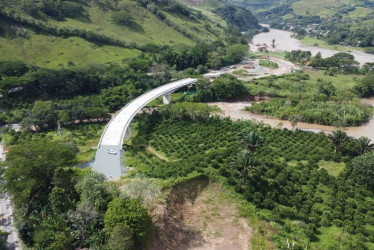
x=195, y=28
x=145, y=28
x=49, y=51
x=310, y=41
x=333, y=168
x=56, y=52
x=359, y=12
x=283, y=86
x=341, y=82
x=321, y=8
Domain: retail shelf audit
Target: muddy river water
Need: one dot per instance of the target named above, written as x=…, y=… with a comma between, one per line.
x=236, y=112
x=284, y=42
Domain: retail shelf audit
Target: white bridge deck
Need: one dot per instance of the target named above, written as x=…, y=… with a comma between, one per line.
x=109, y=155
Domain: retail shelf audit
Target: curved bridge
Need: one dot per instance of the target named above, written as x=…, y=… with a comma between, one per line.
x=109, y=155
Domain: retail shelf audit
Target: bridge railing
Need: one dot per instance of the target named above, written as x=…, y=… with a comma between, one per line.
x=167, y=90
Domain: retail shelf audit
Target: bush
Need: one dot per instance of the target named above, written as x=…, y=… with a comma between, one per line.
x=122, y=17
x=268, y=64
x=128, y=212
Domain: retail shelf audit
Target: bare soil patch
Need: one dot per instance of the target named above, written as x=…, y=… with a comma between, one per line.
x=199, y=215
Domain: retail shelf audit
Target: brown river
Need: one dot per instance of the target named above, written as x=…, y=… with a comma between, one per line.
x=284, y=42
x=236, y=111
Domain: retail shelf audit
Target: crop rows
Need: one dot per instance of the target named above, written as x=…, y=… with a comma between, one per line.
x=191, y=146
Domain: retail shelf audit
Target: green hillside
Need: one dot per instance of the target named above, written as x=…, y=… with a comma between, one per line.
x=345, y=22
x=62, y=33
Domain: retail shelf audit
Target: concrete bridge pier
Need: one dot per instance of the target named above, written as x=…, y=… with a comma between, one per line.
x=128, y=133
x=166, y=98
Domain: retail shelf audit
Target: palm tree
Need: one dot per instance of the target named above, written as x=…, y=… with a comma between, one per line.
x=337, y=138
x=244, y=163
x=251, y=140
x=364, y=145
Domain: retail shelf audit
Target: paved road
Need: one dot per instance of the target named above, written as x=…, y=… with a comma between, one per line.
x=6, y=216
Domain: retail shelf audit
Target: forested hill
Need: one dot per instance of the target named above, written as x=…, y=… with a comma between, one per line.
x=51, y=33
x=346, y=22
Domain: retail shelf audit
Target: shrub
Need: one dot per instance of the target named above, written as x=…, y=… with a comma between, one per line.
x=129, y=212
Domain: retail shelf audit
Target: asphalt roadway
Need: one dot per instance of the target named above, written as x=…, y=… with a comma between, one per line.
x=6, y=216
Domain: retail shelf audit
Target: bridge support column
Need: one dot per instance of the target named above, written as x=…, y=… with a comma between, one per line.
x=166, y=98
x=128, y=133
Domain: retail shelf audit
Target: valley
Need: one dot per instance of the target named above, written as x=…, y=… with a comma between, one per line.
x=267, y=143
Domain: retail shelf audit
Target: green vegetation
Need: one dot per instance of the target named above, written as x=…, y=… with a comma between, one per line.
x=333, y=168
x=77, y=34
x=131, y=214
x=84, y=136
x=344, y=24
x=239, y=17
x=268, y=64
x=303, y=199
x=299, y=56
x=69, y=64
x=67, y=207
x=224, y=88
x=326, y=113
x=316, y=97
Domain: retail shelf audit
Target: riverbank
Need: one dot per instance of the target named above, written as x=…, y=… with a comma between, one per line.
x=235, y=111
x=285, y=42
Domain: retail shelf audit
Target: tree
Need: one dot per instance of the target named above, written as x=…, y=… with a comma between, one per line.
x=338, y=137
x=129, y=212
x=121, y=238
x=30, y=168
x=364, y=145
x=42, y=116
x=294, y=119
x=250, y=139
x=59, y=200
x=235, y=53
x=363, y=169
x=214, y=60
x=365, y=88
x=244, y=163
x=122, y=17
x=12, y=68
x=95, y=191
x=204, y=92
x=228, y=87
